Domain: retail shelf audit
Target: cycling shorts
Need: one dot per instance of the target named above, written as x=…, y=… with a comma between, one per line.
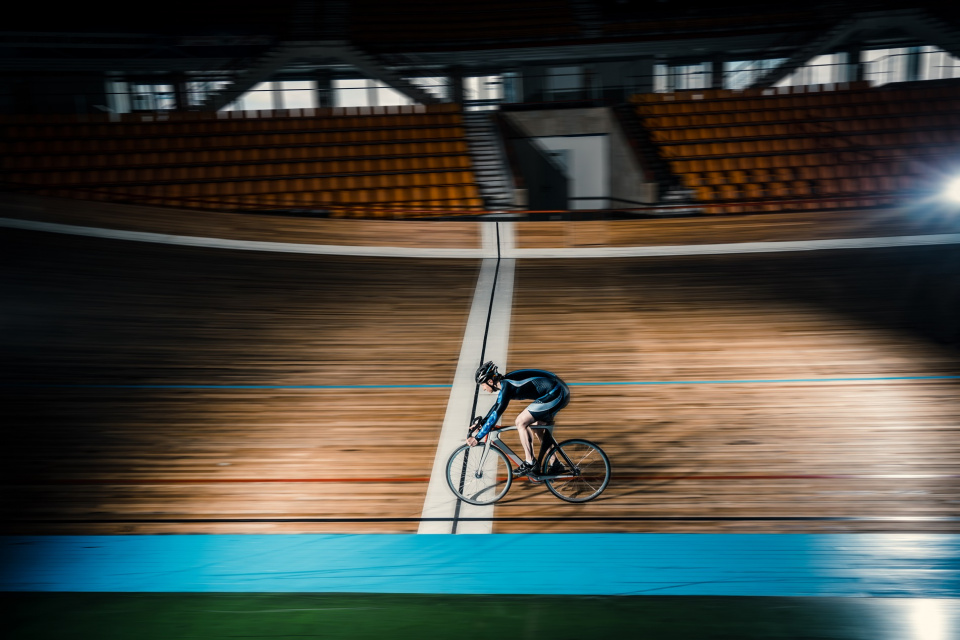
x=547, y=406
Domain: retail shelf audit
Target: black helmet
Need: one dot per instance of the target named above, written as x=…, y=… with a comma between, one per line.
x=486, y=371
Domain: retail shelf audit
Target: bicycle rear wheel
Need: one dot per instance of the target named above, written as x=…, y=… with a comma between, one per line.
x=587, y=478
x=476, y=485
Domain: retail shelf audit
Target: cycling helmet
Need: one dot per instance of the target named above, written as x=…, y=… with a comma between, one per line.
x=486, y=371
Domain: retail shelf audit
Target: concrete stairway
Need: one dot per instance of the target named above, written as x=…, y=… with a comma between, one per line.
x=669, y=186
x=489, y=162
x=917, y=22
x=821, y=44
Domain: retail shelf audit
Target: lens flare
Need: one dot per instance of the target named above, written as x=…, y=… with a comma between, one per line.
x=952, y=191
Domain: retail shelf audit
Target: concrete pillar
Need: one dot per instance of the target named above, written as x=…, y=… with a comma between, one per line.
x=456, y=84
x=854, y=65
x=642, y=75
x=180, y=97
x=533, y=82
x=276, y=95
x=716, y=73
x=913, y=64
x=324, y=82
x=620, y=80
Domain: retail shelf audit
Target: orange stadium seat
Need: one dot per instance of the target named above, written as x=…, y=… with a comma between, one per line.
x=229, y=157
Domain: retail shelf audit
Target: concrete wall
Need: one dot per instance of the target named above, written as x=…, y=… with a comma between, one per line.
x=586, y=162
x=613, y=166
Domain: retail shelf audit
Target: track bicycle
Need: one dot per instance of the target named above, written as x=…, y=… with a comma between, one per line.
x=483, y=474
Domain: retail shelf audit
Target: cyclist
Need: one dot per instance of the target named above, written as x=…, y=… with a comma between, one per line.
x=549, y=393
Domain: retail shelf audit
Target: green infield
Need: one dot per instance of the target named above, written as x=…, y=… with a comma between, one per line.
x=146, y=616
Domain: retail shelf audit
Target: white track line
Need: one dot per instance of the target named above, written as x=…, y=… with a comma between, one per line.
x=245, y=245
x=440, y=501
x=508, y=248
x=738, y=247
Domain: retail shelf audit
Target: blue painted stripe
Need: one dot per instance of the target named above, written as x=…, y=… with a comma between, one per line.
x=892, y=565
x=759, y=381
x=614, y=383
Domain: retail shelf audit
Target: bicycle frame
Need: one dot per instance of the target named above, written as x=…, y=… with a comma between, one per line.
x=548, y=444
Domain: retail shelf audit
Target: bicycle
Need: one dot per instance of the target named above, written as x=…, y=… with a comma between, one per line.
x=483, y=474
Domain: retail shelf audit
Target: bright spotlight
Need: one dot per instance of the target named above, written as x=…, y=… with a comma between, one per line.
x=953, y=190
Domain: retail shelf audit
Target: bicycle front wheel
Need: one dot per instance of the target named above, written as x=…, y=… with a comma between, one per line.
x=586, y=471
x=476, y=484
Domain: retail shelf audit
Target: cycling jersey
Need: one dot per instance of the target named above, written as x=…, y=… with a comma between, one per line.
x=547, y=389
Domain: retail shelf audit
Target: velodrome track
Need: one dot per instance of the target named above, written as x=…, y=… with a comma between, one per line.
x=174, y=375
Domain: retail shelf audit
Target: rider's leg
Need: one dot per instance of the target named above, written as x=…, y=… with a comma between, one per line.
x=524, y=421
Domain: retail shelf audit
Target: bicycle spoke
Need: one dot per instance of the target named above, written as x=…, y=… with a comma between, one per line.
x=475, y=483
x=588, y=477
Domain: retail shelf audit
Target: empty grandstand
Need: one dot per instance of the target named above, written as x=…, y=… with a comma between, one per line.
x=373, y=109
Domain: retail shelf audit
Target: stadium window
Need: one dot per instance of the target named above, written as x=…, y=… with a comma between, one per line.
x=681, y=77
x=564, y=83
x=825, y=69
x=259, y=98
x=363, y=92
x=661, y=73
x=199, y=90
x=482, y=92
x=351, y=92
x=691, y=76
x=743, y=73
x=298, y=94
x=152, y=97
x=937, y=64
x=118, y=96
x=512, y=87
x=386, y=96
x=883, y=66
x=437, y=86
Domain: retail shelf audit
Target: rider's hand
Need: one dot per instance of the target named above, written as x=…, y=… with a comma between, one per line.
x=472, y=441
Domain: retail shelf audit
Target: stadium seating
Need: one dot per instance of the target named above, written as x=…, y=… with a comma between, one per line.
x=386, y=162
x=802, y=147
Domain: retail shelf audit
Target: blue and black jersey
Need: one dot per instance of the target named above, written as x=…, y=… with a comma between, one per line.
x=549, y=392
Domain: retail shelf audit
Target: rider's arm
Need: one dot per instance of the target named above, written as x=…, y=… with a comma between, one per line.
x=495, y=412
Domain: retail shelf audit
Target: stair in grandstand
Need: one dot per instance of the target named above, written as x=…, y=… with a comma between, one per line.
x=489, y=164
x=821, y=44
x=261, y=70
x=372, y=67
x=919, y=22
x=669, y=186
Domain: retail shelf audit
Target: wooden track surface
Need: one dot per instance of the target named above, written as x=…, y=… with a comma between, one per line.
x=257, y=227
x=85, y=311
x=735, y=228
x=751, y=449
x=81, y=311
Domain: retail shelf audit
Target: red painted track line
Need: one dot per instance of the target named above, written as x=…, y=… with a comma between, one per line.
x=147, y=481
x=161, y=481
